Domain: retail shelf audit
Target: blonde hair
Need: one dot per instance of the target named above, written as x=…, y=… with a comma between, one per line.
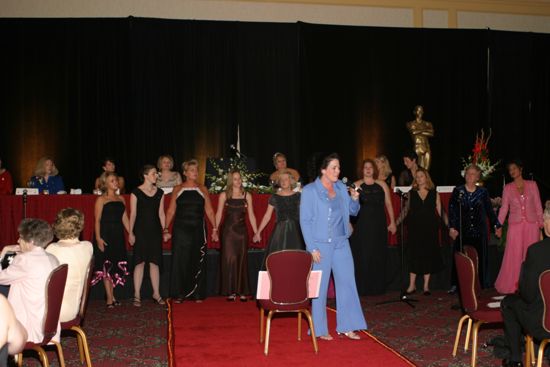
x=103, y=180
x=229, y=183
x=429, y=183
x=39, y=170
x=546, y=213
x=276, y=156
x=385, y=170
x=185, y=166
x=159, y=161
x=290, y=175
x=68, y=223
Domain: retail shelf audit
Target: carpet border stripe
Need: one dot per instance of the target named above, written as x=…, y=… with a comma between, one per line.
x=170, y=334
x=382, y=344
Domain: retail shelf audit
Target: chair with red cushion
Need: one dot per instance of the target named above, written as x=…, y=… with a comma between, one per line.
x=55, y=287
x=474, y=308
x=544, y=286
x=289, y=274
x=471, y=252
x=76, y=323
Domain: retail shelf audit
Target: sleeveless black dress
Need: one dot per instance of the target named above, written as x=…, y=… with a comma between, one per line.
x=287, y=234
x=369, y=241
x=234, y=249
x=112, y=232
x=423, y=252
x=147, y=228
x=188, y=274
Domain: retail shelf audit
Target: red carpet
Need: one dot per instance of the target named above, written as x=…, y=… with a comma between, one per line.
x=219, y=333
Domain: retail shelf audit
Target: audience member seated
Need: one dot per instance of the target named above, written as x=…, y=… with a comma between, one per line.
x=108, y=165
x=27, y=276
x=279, y=161
x=6, y=182
x=46, y=177
x=524, y=311
x=77, y=254
x=13, y=335
x=167, y=178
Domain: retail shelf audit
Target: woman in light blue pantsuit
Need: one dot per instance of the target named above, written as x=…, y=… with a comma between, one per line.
x=325, y=208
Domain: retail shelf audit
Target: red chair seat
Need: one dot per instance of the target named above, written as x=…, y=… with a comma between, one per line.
x=488, y=315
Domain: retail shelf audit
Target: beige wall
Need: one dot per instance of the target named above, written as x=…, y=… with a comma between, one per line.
x=518, y=15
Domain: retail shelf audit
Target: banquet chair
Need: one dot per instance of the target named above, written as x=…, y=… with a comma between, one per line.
x=544, y=286
x=288, y=272
x=55, y=287
x=474, y=308
x=76, y=323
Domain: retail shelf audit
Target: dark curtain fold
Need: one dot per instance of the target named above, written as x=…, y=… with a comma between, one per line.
x=135, y=88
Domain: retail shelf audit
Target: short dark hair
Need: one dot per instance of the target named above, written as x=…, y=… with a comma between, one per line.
x=107, y=159
x=144, y=171
x=411, y=155
x=37, y=231
x=517, y=162
x=326, y=161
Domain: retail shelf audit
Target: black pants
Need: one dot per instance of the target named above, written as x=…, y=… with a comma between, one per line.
x=518, y=317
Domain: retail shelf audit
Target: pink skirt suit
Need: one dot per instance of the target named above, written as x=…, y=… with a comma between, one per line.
x=524, y=223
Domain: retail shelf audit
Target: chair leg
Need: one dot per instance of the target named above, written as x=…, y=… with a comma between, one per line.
x=299, y=325
x=528, y=346
x=540, y=356
x=83, y=344
x=313, y=338
x=262, y=314
x=20, y=360
x=458, y=331
x=59, y=354
x=42, y=355
x=474, y=342
x=80, y=350
x=267, y=329
x=467, y=340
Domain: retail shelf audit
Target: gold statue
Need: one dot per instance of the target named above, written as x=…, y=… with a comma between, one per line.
x=420, y=132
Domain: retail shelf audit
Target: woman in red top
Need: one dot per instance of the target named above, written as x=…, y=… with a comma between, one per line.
x=6, y=182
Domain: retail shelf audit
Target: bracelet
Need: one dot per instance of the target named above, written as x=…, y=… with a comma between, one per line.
x=165, y=230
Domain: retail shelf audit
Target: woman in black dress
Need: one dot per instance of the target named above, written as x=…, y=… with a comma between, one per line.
x=188, y=204
x=234, y=239
x=286, y=203
x=422, y=214
x=146, y=223
x=369, y=241
x=110, y=222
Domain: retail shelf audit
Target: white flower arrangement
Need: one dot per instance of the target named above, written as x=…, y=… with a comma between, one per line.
x=480, y=157
x=218, y=182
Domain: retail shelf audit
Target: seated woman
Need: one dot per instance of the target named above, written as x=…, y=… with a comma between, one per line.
x=77, y=254
x=13, y=335
x=167, y=178
x=109, y=165
x=6, y=182
x=46, y=177
x=279, y=161
x=27, y=276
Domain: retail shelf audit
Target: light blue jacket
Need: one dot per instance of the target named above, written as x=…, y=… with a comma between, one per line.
x=314, y=212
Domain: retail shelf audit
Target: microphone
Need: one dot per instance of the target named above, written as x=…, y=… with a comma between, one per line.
x=352, y=185
x=237, y=151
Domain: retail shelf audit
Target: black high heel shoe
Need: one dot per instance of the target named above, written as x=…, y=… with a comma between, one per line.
x=243, y=298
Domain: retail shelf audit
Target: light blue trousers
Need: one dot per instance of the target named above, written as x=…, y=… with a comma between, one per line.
x=337, y=257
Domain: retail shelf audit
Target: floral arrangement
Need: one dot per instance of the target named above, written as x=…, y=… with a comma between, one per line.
x=480, y=157
x=250, y=179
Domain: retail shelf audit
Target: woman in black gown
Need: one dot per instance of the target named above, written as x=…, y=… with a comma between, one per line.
x=110, y=222
x=422, y=214
x=188, y=204
x=146, y=224
x=369, y=241
x=234, y=238
x=286, y=203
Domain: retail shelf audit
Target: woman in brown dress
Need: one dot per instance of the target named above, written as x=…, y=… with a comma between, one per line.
x=234, y=237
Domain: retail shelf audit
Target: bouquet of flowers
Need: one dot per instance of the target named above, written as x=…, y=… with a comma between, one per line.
x=218, y=182
x=480, y=157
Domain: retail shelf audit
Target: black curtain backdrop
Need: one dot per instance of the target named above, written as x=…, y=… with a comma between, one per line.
x=135, y=88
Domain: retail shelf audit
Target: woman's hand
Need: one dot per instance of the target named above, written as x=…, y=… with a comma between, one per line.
x=215, y=237
x=131, y=239
x=10, y=248
x=101, y=244
x=166, y=236
x=498, y=232
x=257, y=237
x=316, y=255
x=453, y=233
x=392, y=228
x=354, y=193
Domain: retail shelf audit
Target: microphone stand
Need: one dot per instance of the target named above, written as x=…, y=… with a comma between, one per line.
x=25, y=204
x=403, y=296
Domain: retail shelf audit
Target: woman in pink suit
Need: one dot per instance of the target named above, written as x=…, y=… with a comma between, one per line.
x=521, y=199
